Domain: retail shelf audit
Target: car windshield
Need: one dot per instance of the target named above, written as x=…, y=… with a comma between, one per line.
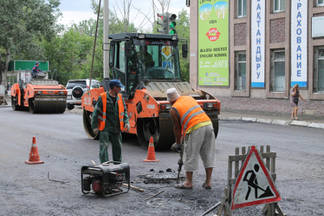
x=72, y=84
x=158, y=59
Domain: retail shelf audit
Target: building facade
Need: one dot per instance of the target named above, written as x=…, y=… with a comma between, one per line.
x=272, y=45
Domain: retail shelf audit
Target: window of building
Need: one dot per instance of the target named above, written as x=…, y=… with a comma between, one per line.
x=279, y=5
x=319, y=69
x=240, y=71
x=278, y=72
x=320, y=2
x=241, y=8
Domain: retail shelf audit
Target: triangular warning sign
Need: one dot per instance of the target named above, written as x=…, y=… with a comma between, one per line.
x=253, y=185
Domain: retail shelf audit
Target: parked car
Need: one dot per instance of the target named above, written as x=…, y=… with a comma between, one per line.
x=76, y=88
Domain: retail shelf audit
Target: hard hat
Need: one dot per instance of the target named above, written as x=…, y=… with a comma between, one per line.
x=115, y=82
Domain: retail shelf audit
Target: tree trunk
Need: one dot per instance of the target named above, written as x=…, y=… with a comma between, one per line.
x=1, y=69
x=4, y=81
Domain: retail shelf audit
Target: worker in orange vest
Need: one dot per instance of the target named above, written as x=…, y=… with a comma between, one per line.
x=194, y=130
x=110, y=118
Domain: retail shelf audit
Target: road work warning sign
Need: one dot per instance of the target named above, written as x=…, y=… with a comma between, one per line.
x=253, y=185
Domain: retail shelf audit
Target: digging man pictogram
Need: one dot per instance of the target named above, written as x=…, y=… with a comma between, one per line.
x=253, y=183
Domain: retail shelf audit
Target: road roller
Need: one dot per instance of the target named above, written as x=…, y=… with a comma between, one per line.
x=147, y=65
x=39, y=95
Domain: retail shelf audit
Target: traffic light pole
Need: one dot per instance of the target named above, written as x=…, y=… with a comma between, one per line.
x=163, y=22
x=167, y=22
x=172, y=24
x=105, y=39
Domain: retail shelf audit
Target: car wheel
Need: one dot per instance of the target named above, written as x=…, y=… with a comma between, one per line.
x=70, y=106
x=77, y=92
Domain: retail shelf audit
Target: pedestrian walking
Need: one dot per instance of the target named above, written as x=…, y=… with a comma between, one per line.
x=110, y=118
x=193, y=128
x=294, y=99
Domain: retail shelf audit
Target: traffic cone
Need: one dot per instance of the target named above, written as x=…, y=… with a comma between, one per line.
x=151, y=152
x=33, y=155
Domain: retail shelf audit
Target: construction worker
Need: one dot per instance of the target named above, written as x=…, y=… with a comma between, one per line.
x=110, y=118
x=35, y=70
x=194, y=130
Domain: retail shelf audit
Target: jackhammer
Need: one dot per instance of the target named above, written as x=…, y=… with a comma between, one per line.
x=178, y=148
x=180, y=163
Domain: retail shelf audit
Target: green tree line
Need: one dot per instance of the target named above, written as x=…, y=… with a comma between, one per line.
x=29, y=30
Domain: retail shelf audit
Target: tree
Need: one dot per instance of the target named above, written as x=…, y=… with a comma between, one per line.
x=67, y=54
x=161, y=7
x=183, y=30
x=23, y=25
x=70, y=54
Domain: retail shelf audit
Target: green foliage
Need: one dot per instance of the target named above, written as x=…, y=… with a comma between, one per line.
x=29, y=30
x=67, y=54
x=24, y=23
x=183, y=30
x=70, y=54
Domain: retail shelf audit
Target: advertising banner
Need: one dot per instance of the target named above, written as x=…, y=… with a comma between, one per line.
x=299, y=43
x=257, y=43
x=213, y=39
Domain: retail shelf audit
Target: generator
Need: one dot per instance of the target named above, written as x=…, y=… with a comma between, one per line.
x=105, y=179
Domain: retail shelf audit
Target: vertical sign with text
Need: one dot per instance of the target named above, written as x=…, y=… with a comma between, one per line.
x=299, y=43
x=257, y=43
x=213, y=65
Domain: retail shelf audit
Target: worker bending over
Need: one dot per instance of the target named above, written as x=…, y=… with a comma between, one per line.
x=192, y=128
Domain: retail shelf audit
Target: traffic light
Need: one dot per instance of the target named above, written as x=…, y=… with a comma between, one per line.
x=172, y=24
x=163, y=22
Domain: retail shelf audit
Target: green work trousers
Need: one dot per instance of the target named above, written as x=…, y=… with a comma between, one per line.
x=115, y=139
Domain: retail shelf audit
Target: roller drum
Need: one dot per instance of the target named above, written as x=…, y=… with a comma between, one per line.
x=166, y=137
x=161, y=129
x=87, y=125
x=213, y=115
x=53, y=104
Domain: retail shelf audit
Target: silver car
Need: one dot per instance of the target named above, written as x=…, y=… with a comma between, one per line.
x=76, y=88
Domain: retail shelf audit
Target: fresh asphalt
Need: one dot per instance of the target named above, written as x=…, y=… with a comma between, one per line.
x=65, y=148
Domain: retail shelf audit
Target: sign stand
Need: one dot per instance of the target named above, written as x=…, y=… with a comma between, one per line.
x=258, y=193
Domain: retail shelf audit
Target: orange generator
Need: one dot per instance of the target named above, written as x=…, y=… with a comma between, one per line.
x=147, y=65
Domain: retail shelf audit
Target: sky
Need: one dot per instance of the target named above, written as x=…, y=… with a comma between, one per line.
x=75, y=11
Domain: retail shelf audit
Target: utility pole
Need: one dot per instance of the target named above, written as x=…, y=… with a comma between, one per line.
x=105, y=39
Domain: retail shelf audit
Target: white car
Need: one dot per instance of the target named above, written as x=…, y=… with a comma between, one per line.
x=76, y=88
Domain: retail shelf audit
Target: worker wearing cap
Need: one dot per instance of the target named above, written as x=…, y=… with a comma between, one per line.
x=35, y=70
x=110, y=118
x=193, y=128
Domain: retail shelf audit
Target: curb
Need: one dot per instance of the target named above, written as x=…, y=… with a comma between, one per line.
x=274, y=121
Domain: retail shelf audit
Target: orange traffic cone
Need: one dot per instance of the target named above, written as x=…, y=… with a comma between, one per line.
x=33, y=155
x=151, y=152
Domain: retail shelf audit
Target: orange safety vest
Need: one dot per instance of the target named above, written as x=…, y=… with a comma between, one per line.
x=190, y=113
x=102, y=113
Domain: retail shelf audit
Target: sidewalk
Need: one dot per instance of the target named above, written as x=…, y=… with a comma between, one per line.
x=272, y=111
x=238, y=109
x=269, y=119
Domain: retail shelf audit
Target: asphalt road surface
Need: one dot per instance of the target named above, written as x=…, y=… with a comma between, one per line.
x=53, y=188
